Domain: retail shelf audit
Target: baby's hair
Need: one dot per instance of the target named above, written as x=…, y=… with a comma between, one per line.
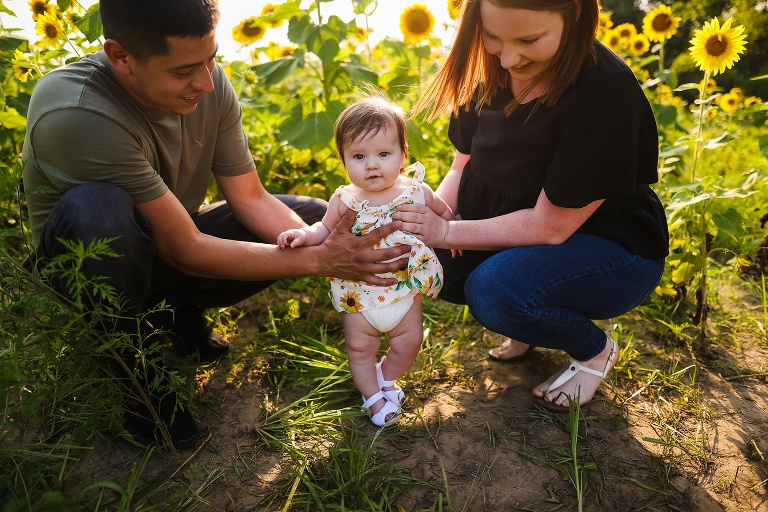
x=368, y=117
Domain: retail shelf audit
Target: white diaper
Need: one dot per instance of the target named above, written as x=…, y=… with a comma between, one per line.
x=386, y=318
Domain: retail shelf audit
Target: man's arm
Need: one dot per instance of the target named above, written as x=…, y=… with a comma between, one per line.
x=342, y=255
x=257, y=210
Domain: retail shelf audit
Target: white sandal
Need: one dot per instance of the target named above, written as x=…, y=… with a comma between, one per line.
x=395, y=395
x=574, y=367
x=380, y=418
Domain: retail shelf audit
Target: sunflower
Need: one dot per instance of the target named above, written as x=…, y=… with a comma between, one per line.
x=715, y=48
x=728, y=102
x=625, y=31
x=711, y=85
x=638, y=44
x=416, y=23
x=49, y=27
x=248, y=31
x=659, y=24
x=39, y=7
x=612, y=40
x=454, y=8
x=752, y=101
x=738, y=91
x=711, y=113
x=663, y=91
x=350, y=301
x=72, y=18
x=269, y=9
x=21, y=66
x=605, y=23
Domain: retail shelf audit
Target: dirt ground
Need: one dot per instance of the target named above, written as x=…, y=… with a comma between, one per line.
x=482, y=434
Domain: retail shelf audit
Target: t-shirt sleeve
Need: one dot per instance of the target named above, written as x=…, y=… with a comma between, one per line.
x=232, y=156
x=605, y=146
x=76, y=146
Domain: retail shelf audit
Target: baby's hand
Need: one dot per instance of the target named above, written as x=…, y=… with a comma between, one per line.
x=291, y=238
x=454, y=252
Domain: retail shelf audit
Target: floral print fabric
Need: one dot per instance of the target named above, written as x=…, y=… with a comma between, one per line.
x=424, y=273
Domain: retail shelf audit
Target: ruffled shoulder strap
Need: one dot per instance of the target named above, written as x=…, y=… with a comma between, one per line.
x=347, y=199
x=418, y=172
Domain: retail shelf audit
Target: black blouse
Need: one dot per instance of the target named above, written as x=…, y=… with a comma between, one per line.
x=598, y=142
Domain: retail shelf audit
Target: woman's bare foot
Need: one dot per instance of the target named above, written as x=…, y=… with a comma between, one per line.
x=576, y=379
x=510, y=350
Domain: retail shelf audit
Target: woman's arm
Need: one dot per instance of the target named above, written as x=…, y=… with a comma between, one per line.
x=544, y=224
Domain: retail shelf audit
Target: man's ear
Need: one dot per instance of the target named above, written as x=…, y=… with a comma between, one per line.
x=118, y=57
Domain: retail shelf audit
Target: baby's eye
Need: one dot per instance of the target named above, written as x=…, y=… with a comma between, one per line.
x=529, y=41
x=384, y=154
x=358, y=156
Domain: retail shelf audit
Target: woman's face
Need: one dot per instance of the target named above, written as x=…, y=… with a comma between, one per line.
x=524, y=41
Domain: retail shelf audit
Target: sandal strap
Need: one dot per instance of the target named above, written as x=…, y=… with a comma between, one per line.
x=575, y=367
x=380, y=418
x=368, y=402
x=380, y=375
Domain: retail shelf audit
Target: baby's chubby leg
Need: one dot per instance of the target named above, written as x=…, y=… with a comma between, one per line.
x=404, y=343
x=362, y=345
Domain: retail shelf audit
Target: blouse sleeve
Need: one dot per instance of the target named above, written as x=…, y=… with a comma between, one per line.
x=462, y=128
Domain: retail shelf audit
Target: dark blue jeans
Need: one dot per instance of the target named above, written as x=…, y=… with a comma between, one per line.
x=548, y=295
x=101, y=210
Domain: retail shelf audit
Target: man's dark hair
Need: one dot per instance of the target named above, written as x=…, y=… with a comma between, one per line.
x=143, y=26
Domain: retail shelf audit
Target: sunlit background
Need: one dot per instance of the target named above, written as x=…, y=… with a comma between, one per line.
x=384, y=22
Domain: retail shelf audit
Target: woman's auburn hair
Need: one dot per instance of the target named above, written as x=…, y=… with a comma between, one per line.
x=471, y=73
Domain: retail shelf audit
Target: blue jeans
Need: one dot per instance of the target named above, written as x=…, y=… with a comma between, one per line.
x=547, y=295
x=100, y=210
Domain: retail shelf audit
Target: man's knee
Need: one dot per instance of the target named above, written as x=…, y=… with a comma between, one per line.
x=95, y=210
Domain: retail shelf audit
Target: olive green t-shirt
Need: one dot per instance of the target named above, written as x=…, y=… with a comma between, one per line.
x=83, y=127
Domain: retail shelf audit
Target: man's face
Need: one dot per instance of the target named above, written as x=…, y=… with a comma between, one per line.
x=175, y=82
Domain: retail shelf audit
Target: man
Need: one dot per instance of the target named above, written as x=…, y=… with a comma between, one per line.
x=121, y=146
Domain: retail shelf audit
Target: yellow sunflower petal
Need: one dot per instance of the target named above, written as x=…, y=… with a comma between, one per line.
x=416, y=23
x=49, y=27
x=248, y=31
x=716, y=48
x=659, y=24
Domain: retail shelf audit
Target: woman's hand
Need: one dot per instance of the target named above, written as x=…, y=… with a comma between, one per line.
x=423, y=223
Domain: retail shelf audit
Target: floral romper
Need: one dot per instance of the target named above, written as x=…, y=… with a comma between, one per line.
x=424, y=273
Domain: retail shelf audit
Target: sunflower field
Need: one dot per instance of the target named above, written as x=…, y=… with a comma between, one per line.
x=713, y=142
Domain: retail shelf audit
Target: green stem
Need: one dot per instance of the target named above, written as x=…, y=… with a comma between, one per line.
x=661, y=57
x=697, y=141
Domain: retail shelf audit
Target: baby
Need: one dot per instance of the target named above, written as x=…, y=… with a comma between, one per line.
x=371, y=143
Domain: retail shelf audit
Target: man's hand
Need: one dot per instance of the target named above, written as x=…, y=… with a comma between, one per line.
x=354, y=257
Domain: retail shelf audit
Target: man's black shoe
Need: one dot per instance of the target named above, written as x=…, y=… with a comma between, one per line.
x=181, y=426
x=187, y=330
x=209, y=344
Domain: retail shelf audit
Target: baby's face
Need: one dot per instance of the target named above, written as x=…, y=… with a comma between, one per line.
x=373, y=162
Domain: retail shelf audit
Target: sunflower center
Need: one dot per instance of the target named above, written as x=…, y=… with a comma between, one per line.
x=716, y=46
x=417, y=22
x=661, y=23
x=252, y=30
x=350, y=302
x=38, y=7
x=51, y=32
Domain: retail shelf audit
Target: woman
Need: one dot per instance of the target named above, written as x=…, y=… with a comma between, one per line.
x=556, y=146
